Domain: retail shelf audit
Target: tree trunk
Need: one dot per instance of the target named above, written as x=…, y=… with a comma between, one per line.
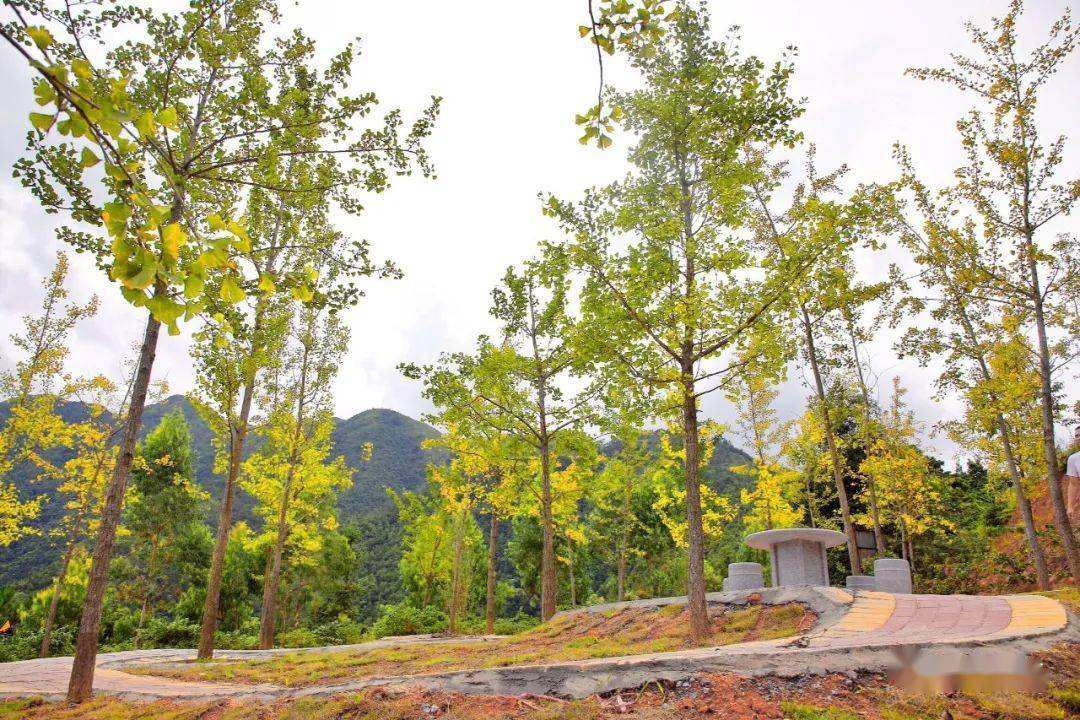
x=65, y=563
x=695, y=576
x=624, y=544
x=1046, y=402
x=570, y=567
x=547, y=557
x=456, y=573
x=1038, y=558
x=221, y=541
x=875, y=516
x=80, y=685
x=489, y=604
x=273, y=580
x=830, y=441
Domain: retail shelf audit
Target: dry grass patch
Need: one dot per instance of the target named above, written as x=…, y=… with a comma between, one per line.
x=580, y=636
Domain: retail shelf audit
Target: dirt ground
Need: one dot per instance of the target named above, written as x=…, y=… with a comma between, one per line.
x=833, y=697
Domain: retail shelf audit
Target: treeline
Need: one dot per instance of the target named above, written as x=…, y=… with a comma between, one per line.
x=215, y=153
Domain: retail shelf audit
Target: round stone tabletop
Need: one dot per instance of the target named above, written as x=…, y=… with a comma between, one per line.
x=767, y=538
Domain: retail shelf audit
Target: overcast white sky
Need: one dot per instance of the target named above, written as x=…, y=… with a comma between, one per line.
x=512, y=75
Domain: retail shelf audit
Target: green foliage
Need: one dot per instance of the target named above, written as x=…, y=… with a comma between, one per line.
x=804, y=711
x=406, y=619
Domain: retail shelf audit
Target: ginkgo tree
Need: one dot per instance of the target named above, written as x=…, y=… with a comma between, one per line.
x=519, y=385
x=770, y=503
x=908, y=489
x=820, y=221
x=671, y=288
x=33, y=387
x=176, y=119
x=491, y=470
x=292, y=476
x=968, y=334
x=1010, y=186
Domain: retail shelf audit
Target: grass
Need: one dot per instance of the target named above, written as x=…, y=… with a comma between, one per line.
x=803, y=711
x=579, y=636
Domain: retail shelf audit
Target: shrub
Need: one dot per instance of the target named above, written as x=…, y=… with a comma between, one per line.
x=25, y=643
x=297, y=638
x=339, y=632
x=503, y=626
x=163, y=633
x=246, y=637
x=402, y=619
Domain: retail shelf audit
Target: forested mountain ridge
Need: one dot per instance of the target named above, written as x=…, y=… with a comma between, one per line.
x=398, y=461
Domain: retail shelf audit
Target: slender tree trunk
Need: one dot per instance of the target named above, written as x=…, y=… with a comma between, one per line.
x=1038, y=558
x=273, y=580
x=570, y=566
x=58, y=586
x=547, y=558
x=1046, y=402
x=624, y=544
x=456, y=572
x=221, y=540
x=875, y=517
x=830, y=441
x=489, y=604
x=871, y=486
x=695, y=576
x=80, y=685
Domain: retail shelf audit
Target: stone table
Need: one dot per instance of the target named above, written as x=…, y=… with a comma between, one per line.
x=798, y=554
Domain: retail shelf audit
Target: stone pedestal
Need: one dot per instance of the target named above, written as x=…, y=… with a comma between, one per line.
x=798, y=554
x=744, y=576
x=892, y=575
x=861, y=582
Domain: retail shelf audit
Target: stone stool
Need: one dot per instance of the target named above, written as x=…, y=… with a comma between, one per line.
x=744, y=576
x=861, y=582
x=892, y=575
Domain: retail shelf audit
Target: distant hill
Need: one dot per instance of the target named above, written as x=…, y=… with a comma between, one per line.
x=717, y=473
x=397, y=461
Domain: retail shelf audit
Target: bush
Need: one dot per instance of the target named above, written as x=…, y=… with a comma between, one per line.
x=246, y=637
x=297, y=638
x=339, y=632
x=503, y=626
x=402, y=619
x=25, y=643
x=162, y=633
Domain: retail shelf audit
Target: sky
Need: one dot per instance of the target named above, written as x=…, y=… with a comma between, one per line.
x=512, y=75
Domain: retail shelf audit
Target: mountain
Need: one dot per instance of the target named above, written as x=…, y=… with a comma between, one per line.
x=717, y=474
x=398, y=461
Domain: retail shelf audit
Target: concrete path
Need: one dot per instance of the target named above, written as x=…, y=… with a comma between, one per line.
x=855, y=632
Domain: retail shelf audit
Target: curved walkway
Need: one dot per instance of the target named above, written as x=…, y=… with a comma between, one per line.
x=861, y=631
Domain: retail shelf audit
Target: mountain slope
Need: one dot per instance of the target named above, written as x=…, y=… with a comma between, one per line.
x=397, y=460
